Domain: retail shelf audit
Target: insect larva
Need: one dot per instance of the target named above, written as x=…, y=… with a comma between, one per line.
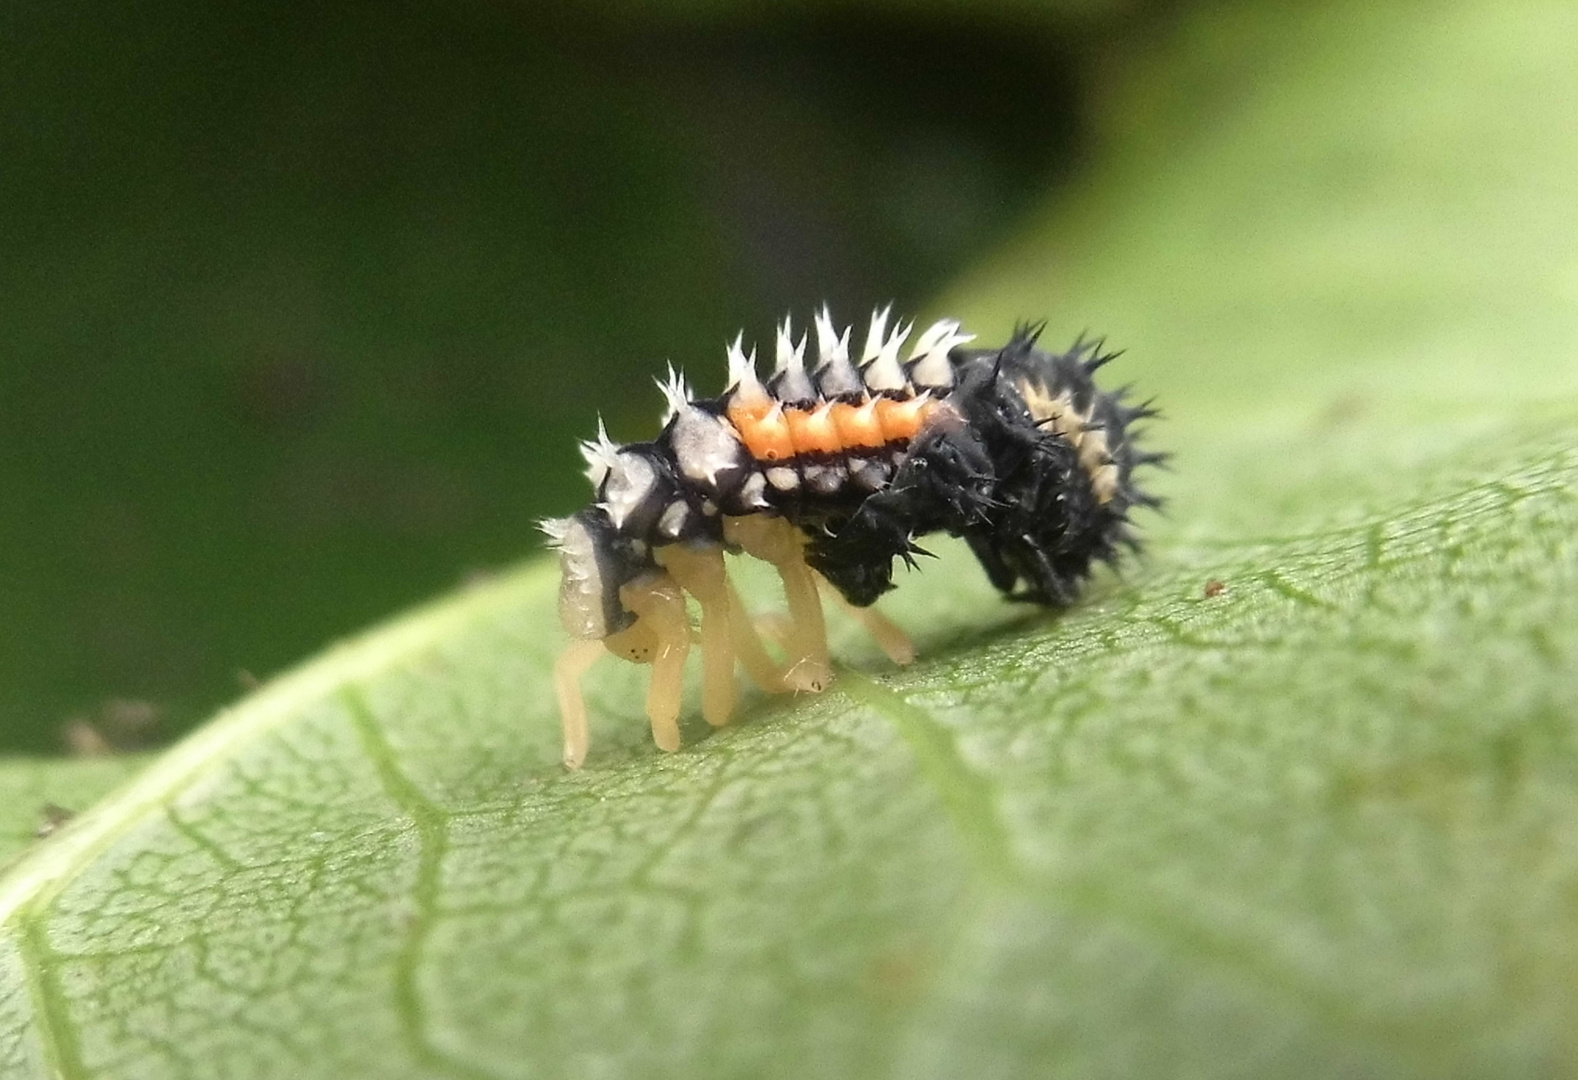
x=831, y=472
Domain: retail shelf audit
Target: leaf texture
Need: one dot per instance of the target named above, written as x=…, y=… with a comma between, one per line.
x=1293, y=796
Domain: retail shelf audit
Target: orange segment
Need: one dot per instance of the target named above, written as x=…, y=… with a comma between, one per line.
x=765, y=432
x=858, y=426
x=813, y=432
x=900, y=420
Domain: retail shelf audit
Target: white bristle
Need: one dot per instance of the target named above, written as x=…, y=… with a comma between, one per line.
x=742, y=368
x=554, y=529
x=881, y=363
x=835, y=375
x=791, y=354
x=675, y=392
x=896, y=340
x=929, y=364
x=932, y=336
x=831, y=347
x=790, y=382
x=748, y=389
x=876, y=335
x=599, y=455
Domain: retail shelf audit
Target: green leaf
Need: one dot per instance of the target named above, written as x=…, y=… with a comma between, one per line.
x=37, y=795
x=1319, y=821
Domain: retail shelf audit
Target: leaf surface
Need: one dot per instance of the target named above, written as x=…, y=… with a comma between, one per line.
x=39, y=794
x=1320, y=820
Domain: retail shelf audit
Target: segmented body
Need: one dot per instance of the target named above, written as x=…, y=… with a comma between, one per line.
x=833, y=470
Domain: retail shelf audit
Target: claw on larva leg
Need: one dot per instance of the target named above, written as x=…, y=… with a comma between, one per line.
x=893, y=642
x=574, y=662
x=659, y=604
x=805, y=674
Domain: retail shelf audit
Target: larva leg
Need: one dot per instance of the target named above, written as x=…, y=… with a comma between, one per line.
x=776, y=627
x=577, y=657
x=700, y=572
x=894, y=642
x=748, y=646
x=774, y=540
x=659, y=604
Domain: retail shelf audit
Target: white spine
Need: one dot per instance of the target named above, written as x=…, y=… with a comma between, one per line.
x=790, y=382
x=742, y=369
x=599, y=455
x=747, y=388
x=791, y=354
x=876, y=335
x=675, y=392
x=929, y=364
x=832, y=348
x=835, y=375
x=555, y=530
x=880, y=364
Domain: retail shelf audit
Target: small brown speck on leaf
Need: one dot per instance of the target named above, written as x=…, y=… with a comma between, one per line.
x=1214, y=588
x=50, y=818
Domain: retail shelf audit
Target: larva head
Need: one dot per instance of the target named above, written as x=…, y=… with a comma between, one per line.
x=593, y=565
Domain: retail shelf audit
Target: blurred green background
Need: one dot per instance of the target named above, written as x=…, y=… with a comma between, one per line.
x=302, y=306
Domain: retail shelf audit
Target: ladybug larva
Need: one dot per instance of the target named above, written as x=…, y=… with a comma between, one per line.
x=830, y=471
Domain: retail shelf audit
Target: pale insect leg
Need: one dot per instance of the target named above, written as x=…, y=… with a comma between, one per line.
x=775, y=626
x=894, y=642
x=748, y=645
x=577, y=657
x=776, y=541
x=700, y=572
x=659, y=603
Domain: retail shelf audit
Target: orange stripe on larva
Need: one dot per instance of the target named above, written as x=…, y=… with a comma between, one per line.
x=813, y=432
x=774, y=433
x=900, y=420
x=858, y=426
x=765, y=432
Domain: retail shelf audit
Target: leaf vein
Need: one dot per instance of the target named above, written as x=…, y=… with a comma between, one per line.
x=56, y=1034
x=432, y=831
x=966, y=796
